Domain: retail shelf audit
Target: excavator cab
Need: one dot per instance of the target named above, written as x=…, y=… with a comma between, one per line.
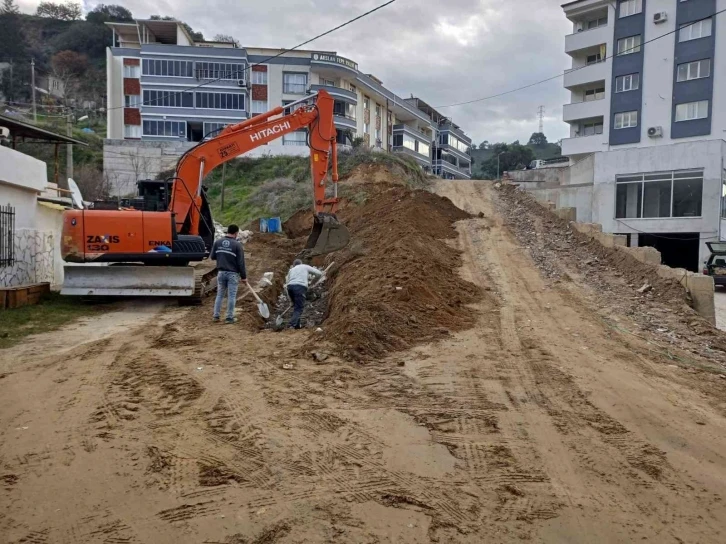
x=328, y=235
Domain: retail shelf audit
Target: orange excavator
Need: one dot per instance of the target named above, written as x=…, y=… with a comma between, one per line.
x=146, y=248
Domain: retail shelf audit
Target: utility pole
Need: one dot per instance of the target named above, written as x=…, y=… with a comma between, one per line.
x=224, y=172
x=541, y=112
x=69, y=150
x=32, y=82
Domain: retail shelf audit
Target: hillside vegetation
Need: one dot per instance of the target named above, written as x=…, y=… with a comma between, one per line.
x=280, y=186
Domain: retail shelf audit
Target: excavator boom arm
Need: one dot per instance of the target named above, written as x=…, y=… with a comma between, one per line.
x=238, y=139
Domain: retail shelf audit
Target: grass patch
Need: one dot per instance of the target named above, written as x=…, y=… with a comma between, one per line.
x=51, y=313
x=280, y=185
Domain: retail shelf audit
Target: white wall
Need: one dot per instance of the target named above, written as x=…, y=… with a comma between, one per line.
x=24, y=201
x=707, y=154
x=115, y=94
x=22, y=170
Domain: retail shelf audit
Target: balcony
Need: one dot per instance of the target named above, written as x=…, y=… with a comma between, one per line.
x=587, y=39
x=584, y=144
x=344, y=122
x=336, y=92
x=441, y=167
x=584, y=110
x=575, y=77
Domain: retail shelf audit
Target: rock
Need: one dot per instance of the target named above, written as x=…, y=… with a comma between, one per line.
x=287, y=366
x=646, y=287
x=320, y=357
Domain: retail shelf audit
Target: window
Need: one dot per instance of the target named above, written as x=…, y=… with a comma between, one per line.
x=627, y=46
x=694, y=70
x=660, y=194
x=288, y=111
x=594, y=59
x=173, y=129
x=627, y=119
x=299, y=137
x=366, y=103
x=366, y=128
x=424, y=148
x=596, y=23
x=258, y=106
x=168, y=99
x=132, y=131
x=630, y=7
x=453, y=141
x=379, y=141
x=353, y=89
x=7, y=235
x=378, y=110
x=631, y=82
x=409, y=142
x=219, y=70
x=591, y=128
x=327, y=82
x=694, y=31
x=220, y=101
x=258, y=78
x=132, y=71
x=212, y=129
x=174, y=68
x=594, y=94
x=692, y=110
x=294, y=83
x=723, y=194
x=132, y=100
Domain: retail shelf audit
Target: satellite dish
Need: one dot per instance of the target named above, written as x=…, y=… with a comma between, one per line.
x=75, y=194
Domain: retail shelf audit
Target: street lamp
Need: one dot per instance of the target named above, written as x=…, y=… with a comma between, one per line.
x=500, y=154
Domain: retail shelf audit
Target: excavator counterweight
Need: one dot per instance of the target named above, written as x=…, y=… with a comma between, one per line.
x=146, y=248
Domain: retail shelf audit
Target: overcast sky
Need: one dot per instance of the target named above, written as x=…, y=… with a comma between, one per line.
x=443, y=51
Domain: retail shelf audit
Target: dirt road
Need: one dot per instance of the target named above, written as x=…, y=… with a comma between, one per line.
x=541, y=423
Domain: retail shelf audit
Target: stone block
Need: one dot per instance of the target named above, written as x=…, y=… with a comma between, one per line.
x=701, y=289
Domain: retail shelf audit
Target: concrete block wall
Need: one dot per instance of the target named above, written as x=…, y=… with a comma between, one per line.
x=700, y=287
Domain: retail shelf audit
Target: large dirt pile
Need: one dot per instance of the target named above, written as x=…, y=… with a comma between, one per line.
x=397, y=283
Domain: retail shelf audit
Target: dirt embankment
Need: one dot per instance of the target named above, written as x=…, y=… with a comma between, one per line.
x=396, y=284
x=615, y=277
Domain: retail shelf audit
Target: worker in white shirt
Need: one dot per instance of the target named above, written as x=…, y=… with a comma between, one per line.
x=297, y=288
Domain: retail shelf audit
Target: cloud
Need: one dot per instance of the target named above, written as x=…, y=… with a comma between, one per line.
x=442, y=52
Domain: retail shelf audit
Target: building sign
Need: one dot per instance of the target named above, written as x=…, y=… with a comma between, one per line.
x=335, y=59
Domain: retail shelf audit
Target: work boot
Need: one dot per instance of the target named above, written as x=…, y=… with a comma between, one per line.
x=215, y=320
x=231, y=321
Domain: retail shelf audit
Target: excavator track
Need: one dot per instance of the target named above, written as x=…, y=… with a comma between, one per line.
x=205, y=282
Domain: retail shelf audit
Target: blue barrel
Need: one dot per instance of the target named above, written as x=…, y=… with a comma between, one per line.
x=263, y=224
x=274, y=224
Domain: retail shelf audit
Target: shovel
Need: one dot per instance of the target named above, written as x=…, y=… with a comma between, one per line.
x=278, y=321
x=261, y=306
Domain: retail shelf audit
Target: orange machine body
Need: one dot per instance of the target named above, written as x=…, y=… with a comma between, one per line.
x=132, y=236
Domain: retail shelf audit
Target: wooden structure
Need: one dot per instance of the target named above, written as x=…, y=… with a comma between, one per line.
x=24, y=295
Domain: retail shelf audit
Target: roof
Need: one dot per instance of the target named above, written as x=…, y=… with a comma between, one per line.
x=26, y=130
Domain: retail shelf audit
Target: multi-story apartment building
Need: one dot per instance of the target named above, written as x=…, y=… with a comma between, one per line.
x=451, y=153
x=155, y=113
x=647, y=118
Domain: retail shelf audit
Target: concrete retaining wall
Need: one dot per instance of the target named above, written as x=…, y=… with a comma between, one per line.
x=700, y=287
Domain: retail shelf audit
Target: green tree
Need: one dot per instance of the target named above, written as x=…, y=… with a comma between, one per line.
x=512, y=156
x=9, y=7
x=70, y=11
x=484, y=145
x=103, y=13
x=84, y=37
x=15, y=81
x=538, y=139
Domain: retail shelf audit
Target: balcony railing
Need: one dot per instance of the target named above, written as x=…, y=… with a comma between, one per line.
x=586, y=38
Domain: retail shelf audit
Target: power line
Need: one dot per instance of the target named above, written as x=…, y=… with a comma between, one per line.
x=248, y=68
x=561, y=74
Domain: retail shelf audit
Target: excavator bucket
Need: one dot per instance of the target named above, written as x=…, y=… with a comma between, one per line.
x=328, y=235
x=113, y=281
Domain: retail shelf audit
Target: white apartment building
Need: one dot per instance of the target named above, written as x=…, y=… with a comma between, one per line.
x=648, y=101
x=154, y=114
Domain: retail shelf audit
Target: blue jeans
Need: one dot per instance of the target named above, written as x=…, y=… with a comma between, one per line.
x=227, y=283
x=297, y=295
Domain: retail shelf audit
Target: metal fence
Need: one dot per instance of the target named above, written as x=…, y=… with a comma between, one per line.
x=7, y=234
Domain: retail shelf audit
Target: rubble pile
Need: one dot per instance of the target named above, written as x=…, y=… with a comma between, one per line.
x=659, y=306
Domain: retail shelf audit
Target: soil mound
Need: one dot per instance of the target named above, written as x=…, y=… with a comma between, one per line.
x=300, y=224
x=373, y=173
x=397, y=282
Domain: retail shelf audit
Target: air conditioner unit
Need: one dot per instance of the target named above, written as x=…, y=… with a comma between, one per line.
x=660, y=17
x=241, y=83
x=655, y=132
